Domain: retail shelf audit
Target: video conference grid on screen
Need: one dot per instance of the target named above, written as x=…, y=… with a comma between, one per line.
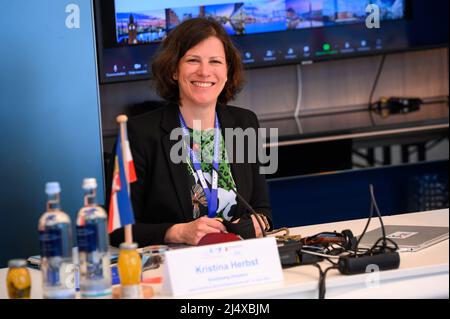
x=267, y=32
x=149, y=21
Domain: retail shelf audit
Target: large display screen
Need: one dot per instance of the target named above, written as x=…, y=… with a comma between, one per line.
x=267, y=32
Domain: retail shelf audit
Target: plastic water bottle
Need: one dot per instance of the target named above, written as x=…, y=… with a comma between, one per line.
x=93, y=243
x=55, y=236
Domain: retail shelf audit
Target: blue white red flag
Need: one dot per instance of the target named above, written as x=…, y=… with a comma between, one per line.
x=120, y=208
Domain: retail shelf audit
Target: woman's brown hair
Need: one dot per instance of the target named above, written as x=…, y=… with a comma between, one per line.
x=185, y=36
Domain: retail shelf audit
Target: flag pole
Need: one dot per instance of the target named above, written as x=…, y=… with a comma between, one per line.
x=122, y=120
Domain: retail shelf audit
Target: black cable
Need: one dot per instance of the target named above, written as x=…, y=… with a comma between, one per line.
x=373, y=249
x=377, y=77
x=334, y=263
x=374, y=86
x=322, y=279
x=372, y=121
x=373, y=205
x=321, y=286
x=372, y=196
x=365, y=228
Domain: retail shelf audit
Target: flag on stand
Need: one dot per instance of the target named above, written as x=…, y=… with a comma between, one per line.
x=120, y=209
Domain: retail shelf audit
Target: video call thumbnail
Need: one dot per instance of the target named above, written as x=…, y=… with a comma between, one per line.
x=175, y=16
x=140, y=26
x=309, y=14
x=391, y=9
x=230, y=15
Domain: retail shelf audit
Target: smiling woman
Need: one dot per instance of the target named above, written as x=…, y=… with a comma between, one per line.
x=197, y=70
x=201, y=76
x=182, y=39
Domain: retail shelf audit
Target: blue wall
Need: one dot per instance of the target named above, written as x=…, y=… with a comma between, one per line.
x=49, y=115
x=324, y=198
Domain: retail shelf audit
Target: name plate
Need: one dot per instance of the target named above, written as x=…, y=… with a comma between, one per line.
x=221, y=266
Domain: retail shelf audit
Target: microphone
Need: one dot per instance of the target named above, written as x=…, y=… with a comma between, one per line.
x=244, y=202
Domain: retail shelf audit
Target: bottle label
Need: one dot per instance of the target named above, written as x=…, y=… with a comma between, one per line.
x=50, y=242
x=87, y=238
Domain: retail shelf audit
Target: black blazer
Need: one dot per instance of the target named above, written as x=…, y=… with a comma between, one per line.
x=161, y=195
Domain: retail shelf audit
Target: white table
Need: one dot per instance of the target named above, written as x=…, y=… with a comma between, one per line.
x=422, y=274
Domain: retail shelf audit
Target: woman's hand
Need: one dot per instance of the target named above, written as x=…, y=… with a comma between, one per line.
x=258, y=231
x=191, y=233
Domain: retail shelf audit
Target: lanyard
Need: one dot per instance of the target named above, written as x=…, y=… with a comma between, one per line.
x=211, y=195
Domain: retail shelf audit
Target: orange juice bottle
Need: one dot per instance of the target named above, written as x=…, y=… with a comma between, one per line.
x=130, y=270
x=18, y=279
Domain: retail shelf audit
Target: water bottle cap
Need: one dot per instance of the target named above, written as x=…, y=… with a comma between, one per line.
x=89, y=183
x=52, y=188
x=17, y=263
